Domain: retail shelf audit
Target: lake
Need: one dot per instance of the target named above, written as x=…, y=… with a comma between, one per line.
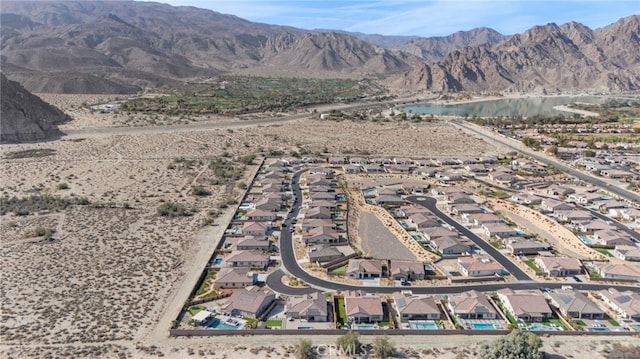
x=527, y=106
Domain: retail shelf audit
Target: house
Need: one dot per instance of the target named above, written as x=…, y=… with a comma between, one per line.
x=499, y=230
x=251, y=259
x=585, y=197
x=446, y=162
x=462, y=208
x=552, y=205
x=525, y=247
x=478, y=219
x=269, y=204
x=479, y=267
x=559, y=191
x=609, y=237
x=448, y=176
x=364, y=268
x=626, y=304
x=308, y=224
x=458, y=198
x=362, y=308
x=477, y=168
x=351, y=169
x=256, y=228
x=358, y=161
x=323, y=253
x=471, y=305
x=320, y=196
x=318, y=213
x=390, y=200
x=593, y=226
x=322, y=235
x=337, y=161
x=572, y=216
x=406, y=270
x=403, y=161
x=229, y=277
x=249, y=302
x=612, y=207
x=373, y=168
x=330, y=205
x=620, y=271
x=272, y=187
x=413, y=307
x=559, y=266
x=436, y=232
x=258, y=215
x=526, y=305
x=574, y=304
x=451, y=246
x=311, y=307
x=422, y=220
x=399, y=169
x=630, y=214
x=627, y=253
x=250, y=243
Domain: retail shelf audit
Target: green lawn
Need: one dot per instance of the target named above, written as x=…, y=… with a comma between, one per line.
x=496, y=244
x=274, y=323
x=195, y=309
x=532, y=265
x=341, y=311
x=510, y=317
x=614, y=323
x=339, y=270
x=604, y=251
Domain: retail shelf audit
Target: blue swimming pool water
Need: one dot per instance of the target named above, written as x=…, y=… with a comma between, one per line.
x=485, y=326
x=423, y=325
x=218, y=261
x=366, y=326
x=245, y=206
x=585, y=240
x=537, y=327
x=218, y=324
x=404, y=224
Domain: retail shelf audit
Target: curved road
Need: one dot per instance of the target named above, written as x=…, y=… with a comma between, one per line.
x=291, y=266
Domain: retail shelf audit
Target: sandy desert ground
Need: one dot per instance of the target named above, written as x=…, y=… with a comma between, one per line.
x=107, y=277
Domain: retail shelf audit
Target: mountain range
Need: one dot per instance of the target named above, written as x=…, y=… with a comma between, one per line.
x=125, y=46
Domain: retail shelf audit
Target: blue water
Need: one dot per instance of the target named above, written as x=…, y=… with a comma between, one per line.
x=586, y=240
x=485, y=326
x=366, y=326
x=423, y=325
x=217, y=324
x=536, y=327
x=404, y=224
x=218, y=261
x=520, y=233
x=245, y=206
x=504, y=107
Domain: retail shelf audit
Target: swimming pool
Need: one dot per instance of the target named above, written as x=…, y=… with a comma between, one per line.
x=218, y=261
x=423, y=325
x=485, y=326
x=366, y=326
x=220, y=325
x=538, y=327
x=245, y=206
x=586, y=240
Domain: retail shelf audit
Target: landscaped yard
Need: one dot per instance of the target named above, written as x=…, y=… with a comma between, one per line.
x=274, y=323
x=613, y=323
x=341, y=311
x=195, y=309
x=604, y=251
x=530, y=262
x=204, y=286
x=510, y=317
x=340, y=270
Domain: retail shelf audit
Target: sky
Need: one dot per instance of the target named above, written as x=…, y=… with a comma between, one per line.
x=421, y=17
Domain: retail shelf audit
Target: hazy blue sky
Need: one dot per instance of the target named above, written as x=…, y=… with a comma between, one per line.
x=423, y=18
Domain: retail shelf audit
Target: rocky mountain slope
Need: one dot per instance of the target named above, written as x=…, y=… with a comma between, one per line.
x=25, y=117
x=547, y=58
x=125, y=46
